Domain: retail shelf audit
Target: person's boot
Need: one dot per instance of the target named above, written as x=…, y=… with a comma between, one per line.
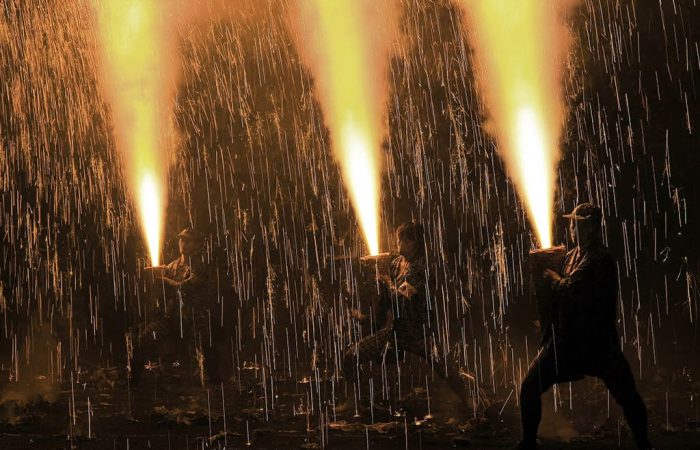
x=211, y=366
x=459, y=382
x=461, y=441
x=645, y=445
x=135, y=370
x=213, y=378
x=351, y=407
x=348, y=408
x=525, y=445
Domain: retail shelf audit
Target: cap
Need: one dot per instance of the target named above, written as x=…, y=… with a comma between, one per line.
x=585, y=211
x=191, y=234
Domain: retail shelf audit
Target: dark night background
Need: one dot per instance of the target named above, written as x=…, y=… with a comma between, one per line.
x=253, y=171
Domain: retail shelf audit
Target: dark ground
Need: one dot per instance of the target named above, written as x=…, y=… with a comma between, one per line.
x=171, y=411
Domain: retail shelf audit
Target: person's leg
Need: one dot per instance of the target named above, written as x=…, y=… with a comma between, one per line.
x=211, y=364
x=197, y=331
x=204, y=333
x=541, y=375
x=136, y=355
x=415, y=338
x=619, y=380
x=446, y=369
x=216, y=353
x=368, y=349
x=143, y=345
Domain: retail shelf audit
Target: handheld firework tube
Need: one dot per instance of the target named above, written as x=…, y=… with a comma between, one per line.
x=371, y=267
x=153, y=284
x=539, y=261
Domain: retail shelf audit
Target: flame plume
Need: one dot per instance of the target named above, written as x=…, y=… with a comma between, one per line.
x=346, y=46
x=138, y=79
x=520, y=46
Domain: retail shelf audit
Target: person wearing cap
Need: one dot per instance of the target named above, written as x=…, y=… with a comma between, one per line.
x=185, y=271
x=183, y=316
x=583, y=339
x=408, y=324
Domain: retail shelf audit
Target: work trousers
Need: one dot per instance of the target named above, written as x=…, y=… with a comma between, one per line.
x=409, y=336
x=168, y=336
x=556, y=365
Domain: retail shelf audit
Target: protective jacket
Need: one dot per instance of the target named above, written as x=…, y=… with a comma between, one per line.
x=585, y=300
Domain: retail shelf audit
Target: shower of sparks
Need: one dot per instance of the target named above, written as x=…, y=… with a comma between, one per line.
x=520, y=45
x=254, y=175
x=138, y=78
x=345, y=45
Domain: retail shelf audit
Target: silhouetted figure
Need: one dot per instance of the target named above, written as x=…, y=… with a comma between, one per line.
x=407, y=325
x=583, y=339
x=185, y=314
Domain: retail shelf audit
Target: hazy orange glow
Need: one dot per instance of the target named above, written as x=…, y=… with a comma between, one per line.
x=520, y=46
x=346, y=46
x=138, y=80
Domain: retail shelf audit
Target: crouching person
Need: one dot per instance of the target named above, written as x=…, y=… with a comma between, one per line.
x=407, y=327
x=183, y=317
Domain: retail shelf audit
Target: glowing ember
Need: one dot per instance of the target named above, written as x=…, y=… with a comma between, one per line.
x=138, y=80
x=519, y=47
x=345, y=45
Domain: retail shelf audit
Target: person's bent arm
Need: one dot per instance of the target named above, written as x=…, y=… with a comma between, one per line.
x=191, y=281
x=194, y=280
x=581, y=278
x=414, y=284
